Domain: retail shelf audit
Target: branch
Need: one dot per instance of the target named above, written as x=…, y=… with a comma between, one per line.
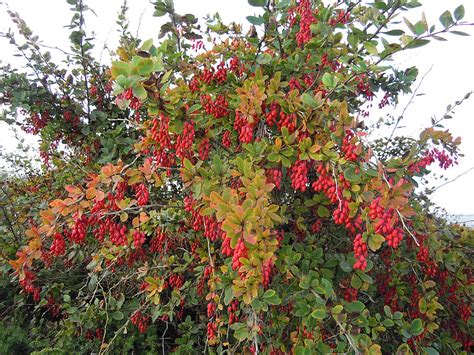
x=402, y=115
x=453, y=180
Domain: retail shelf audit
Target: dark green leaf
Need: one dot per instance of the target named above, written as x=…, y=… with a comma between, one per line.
x=257, y=3
x=459, y=12
x=356, y=306
x=446, y=19
x=254, y=20
x=323, y=211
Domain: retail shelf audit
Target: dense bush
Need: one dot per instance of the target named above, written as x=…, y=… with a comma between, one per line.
x=216, y=191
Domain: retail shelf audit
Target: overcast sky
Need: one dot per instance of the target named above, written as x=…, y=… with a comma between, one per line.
x=451, y=76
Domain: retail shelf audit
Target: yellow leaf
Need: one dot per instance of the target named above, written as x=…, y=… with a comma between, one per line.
x=136, y=222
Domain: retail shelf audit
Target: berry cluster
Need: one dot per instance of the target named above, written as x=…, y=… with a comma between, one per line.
x=239, y=252
x=341, y=213
x=211, y=309
x=349, y=148
x=287, y=120
x=326, y=184
x=158, y=243
x=79, y=229
x=360, y=253
x=27, y=284
x=212, y=229
x=194, y=84
x=218, y=108
x=211, y=330
x=160, y=131
x=138, y=239
x=58, y=247
x=363, y=87
x=232, y=309
x=221, y=73
x=343, y=17
x=185, y=140
x=118, y=233
x=304, y=9
x=416, y=167
x=140, y=321
x=176, y=281
x=299, y=175
x=267, y=268
x=38, y=122
x=244, y=128
x=204, y=148
x=53, y=307
x=272, y=115
x=386, y=220
x=142, y=194
x=274, y=176
x=225, y=248
x=226, y=141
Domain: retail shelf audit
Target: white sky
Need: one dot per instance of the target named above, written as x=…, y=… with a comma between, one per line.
x=451, y=77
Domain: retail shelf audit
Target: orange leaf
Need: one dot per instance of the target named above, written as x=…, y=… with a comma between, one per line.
x=146, y=169
x=90, y=193
x=144, y=217
x=107, y=170
x=73, y=190
x=135, y=222
x=99, y=195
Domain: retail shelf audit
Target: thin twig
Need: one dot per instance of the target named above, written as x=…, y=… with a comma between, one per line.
x=453, y=180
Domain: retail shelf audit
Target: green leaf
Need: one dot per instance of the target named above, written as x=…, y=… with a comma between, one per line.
x=394, y=33
x=139, y=92
x=120, y=68
x=356, y=282
x=117, y=315
x=397, y=315
x=257, y=3
x=145, y=66
x=319, y=314
x=264, y=58
x=254, y=20
x=420, y=28
x=228, y=295
x=242, y=333
x=67, y=298
x=329, y=80
x=355, y=306
x=147, y=44
x=460, y=33
x=446, y=19
x=269, y=294
x=323, y=211
x=375, y=241
x=301, y=350
x=273, y=300
x=416, y=327
x=350, y=174
x=371, y=48
x=309, y=100
x=431, y=351
x=337, y=309
x=418, y=43
x=345, y=266
x=71, y=310
x=459, y=12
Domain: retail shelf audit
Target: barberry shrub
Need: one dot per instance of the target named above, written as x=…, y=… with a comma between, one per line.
x=249, y=212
